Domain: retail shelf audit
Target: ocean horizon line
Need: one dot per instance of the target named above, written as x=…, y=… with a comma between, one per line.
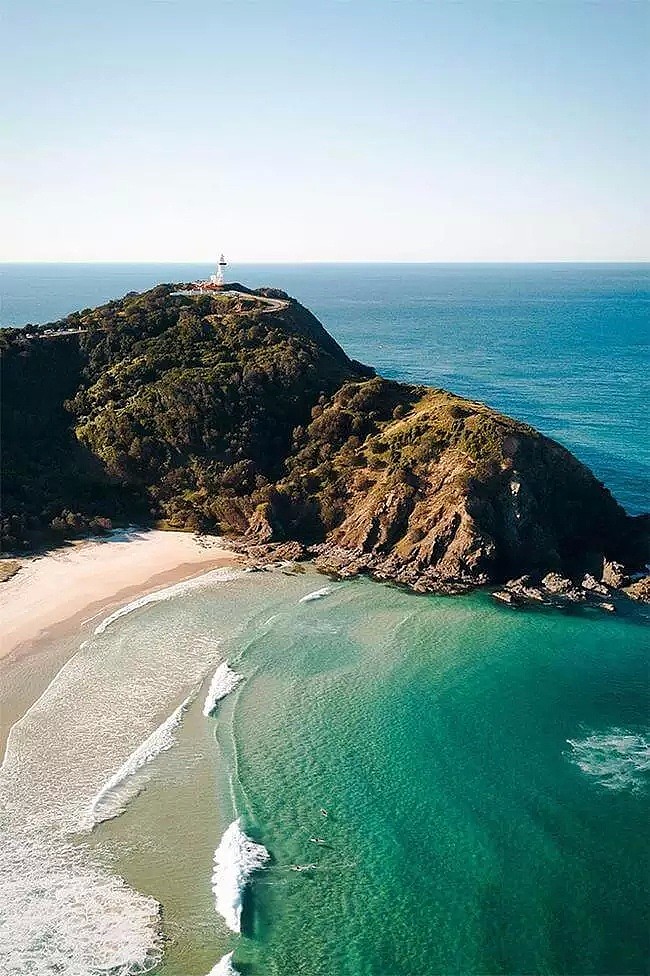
x=337, y=264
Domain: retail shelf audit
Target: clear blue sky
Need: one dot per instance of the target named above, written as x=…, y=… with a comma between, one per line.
x=335, y=131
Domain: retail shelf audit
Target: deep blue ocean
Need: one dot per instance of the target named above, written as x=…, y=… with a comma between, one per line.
x=564, y=347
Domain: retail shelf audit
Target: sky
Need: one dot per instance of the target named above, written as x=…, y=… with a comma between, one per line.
x=324, y=130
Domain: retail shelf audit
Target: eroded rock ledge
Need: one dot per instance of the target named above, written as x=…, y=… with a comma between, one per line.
x=552, y=590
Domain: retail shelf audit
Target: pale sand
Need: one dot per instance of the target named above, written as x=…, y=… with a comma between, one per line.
x=53, y=594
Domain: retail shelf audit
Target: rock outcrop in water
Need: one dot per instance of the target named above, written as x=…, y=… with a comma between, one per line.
x=237, y=414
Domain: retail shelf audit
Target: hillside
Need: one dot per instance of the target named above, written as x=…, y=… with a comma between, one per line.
x=163, y=407
x=238, y=413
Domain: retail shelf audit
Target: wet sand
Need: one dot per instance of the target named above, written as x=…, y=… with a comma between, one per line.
x=44, y=607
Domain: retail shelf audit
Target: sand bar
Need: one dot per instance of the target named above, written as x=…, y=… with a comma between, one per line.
x=54, y=593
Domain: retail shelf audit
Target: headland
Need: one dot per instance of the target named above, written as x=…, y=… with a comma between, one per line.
x=234, y=412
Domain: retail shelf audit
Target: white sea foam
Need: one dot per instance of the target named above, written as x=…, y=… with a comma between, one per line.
x=224, y=681
x=168, y=593
x=62, y=909
x=316, y=595
x=235, y=859
x=64, y=914
x=617, y=759
x=224, y=967
x=112, y=798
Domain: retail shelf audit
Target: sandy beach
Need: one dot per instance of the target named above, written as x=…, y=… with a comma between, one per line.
x=54, y=593
x=44, y=607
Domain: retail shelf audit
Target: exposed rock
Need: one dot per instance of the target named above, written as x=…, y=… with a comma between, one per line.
x=561, y=586
x=347, y=563
x=615, y=574
x=504, y=596
x=260, y=556
x=555, y=583
x=262, y=526
x=554, y=590
x=8, y=568
x=640, y=590
x=591, y=584
x=523, y=590
x=441, y=494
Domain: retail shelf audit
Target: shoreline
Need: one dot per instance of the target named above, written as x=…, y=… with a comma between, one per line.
x=48, y=603
x=54, y=594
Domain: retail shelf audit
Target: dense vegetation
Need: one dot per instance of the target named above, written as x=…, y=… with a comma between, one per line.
x=237, y=412
x=165, y=407
x=51, y=486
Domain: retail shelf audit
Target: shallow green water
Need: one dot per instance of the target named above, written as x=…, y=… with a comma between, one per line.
x=485, y=773
x=462, y=836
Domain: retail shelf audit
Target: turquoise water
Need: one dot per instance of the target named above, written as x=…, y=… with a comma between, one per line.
x=465, y=833
x=563, y=347
x=485, y=771
x=463, y=839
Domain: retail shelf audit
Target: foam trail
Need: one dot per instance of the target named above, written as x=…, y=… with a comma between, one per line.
x=617, y=760
x=316, y=595
x=116, y=792
x=179, y=589
x=67, y=915
x=224, y=967
x=223, y=682
x=235, y=859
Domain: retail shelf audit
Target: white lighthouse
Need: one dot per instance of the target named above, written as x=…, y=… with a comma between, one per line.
x=217, y=279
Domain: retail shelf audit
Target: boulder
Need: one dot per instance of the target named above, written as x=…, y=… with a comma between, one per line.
x=591, y=584
x=640, y=590
x=614, y=574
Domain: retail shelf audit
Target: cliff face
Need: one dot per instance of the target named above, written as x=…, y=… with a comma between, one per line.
x=239, y=413
x=441, y=493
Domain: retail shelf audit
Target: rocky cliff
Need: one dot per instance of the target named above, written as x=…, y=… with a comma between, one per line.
x=238, y=413
x=442, y=493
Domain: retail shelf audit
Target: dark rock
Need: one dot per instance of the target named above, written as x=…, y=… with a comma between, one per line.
x=556, y=591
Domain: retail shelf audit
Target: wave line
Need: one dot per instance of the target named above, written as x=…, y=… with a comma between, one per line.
x=112, y=798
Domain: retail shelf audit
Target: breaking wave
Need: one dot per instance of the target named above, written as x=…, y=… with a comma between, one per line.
x=316, y=595
x=223, y=682
x=69, y=916
x=63, y=910
x=178, y=589
x=224, y=967
x=617, y=760
x=112, y=798
x=235, y=860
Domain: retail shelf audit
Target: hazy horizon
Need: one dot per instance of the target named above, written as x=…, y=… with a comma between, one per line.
x=265, y=263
